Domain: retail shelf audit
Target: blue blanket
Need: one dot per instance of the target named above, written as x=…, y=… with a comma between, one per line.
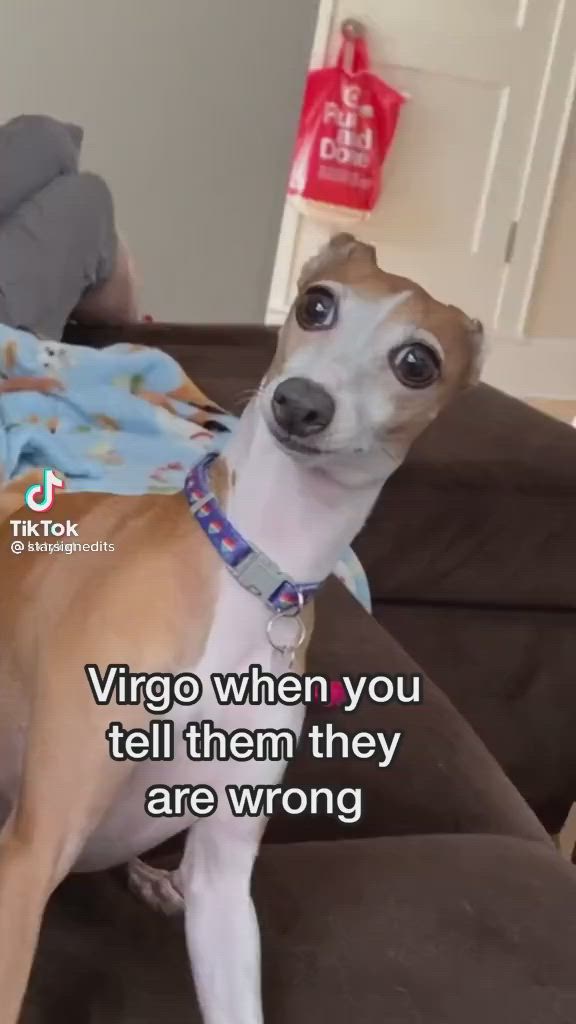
x=125, y=419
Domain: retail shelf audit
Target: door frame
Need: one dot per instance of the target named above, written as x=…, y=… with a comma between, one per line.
x=278, y=299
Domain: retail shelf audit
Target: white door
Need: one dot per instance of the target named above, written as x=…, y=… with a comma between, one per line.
x=467, y=185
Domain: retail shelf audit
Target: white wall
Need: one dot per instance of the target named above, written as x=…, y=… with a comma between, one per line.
x=190, y=109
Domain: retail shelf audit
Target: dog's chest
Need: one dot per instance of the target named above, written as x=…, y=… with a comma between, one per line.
x=236, y=642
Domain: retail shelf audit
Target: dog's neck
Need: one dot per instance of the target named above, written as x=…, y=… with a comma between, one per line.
x=299, y=516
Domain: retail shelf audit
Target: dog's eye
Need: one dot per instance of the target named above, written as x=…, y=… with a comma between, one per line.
x=317, y=309
x=415, y=365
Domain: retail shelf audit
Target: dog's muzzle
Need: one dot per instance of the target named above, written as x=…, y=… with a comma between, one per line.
x=301, y=407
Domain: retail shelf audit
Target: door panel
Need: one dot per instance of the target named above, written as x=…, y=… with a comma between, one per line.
x=477, y=74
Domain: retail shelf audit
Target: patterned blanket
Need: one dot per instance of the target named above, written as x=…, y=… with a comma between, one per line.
x=124, y=419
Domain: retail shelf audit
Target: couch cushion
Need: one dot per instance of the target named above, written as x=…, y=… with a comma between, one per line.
x=511, y=673
x=442, y=779
x=434, y=929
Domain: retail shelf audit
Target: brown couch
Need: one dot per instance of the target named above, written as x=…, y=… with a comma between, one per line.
x=484, y=593
x=447, y=902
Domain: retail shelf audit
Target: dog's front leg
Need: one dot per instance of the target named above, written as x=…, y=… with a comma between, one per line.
x=221, y=927
x=215, y=875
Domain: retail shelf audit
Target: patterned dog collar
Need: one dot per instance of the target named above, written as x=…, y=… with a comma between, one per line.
x=250, y=567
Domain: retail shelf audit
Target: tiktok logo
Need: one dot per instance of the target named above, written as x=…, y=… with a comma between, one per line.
x=40, y=497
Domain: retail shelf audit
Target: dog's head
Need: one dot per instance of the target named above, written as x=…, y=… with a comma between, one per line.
x=364, y=362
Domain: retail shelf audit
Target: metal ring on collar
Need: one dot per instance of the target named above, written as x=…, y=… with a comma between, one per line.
x=289, y=613
x=296, y=643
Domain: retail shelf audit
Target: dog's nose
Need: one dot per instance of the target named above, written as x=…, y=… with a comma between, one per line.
x=302, y=407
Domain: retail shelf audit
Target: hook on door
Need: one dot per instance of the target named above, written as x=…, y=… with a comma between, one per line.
x=353, y=29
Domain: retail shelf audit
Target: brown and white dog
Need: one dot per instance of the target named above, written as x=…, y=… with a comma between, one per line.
x=365, y=361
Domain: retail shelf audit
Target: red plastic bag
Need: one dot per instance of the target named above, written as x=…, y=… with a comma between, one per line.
x=348, y=121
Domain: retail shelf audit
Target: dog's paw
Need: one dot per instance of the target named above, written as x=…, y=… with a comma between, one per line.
x=156, y=887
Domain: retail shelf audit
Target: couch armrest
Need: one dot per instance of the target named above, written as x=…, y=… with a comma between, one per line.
x=483, y=511
x=166, y=335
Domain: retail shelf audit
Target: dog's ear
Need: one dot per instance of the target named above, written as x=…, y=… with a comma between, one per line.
x=342, y=248
x=477, y=342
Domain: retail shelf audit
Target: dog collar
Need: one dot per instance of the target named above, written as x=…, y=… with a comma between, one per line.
x=250, y=567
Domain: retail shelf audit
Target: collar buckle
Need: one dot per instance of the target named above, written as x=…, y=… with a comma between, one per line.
x=250, y=567
x=260, y=575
